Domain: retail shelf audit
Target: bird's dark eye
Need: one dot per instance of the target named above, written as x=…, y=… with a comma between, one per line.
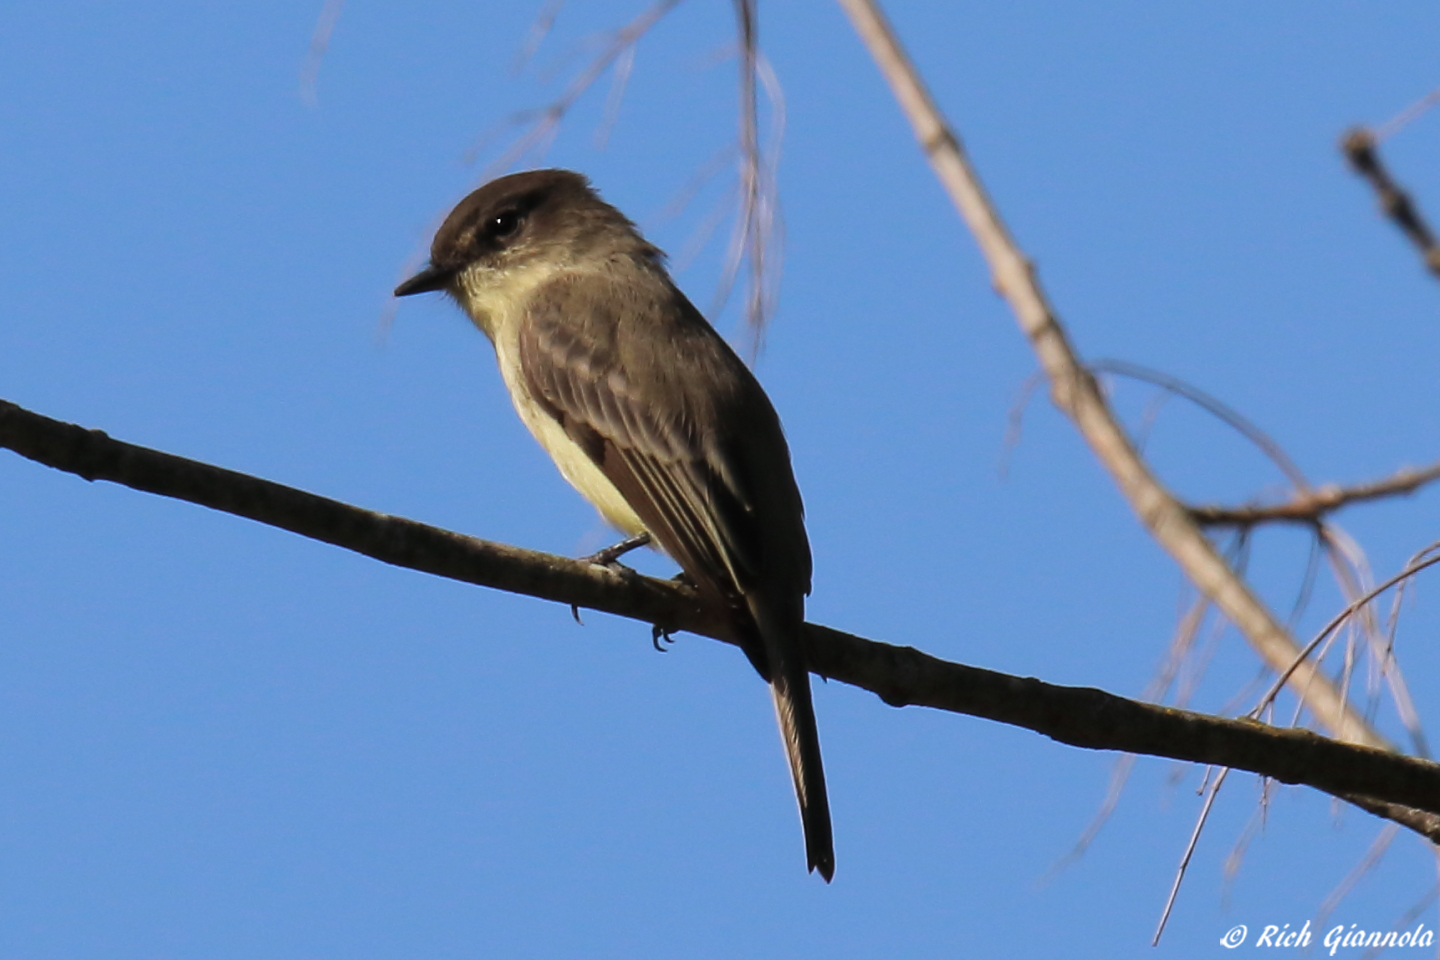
x=503, y=224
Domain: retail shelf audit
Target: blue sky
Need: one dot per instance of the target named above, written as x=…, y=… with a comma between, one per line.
x=222, y=740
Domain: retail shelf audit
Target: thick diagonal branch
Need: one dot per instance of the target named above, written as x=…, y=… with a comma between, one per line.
x=1074, y=391
x=1402, y=788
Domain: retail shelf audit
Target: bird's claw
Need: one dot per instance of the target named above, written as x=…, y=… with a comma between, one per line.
x=608, y=556
x=659, y=633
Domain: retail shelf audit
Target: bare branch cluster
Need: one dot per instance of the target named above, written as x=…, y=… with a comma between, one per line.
x=1181, y=529
x=539, y=126
x=1074, y=391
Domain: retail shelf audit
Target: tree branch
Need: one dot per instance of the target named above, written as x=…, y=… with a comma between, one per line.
x=1404, y=789
x=1362, y=150
x=1075, y=392
x=1310, y=506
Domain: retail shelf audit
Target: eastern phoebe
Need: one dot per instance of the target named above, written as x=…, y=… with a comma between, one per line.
x=649, y=414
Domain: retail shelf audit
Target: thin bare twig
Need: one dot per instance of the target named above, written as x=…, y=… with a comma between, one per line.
x=1189, y=852
x=901, y=676
x=1015, y=423
x=1288, y=674
x=319, y=43
x=540, y=29
x=706, y=172
x=702, y=233
x=1213, y=405
x=544, y=123
x=1236, y=857
x=1154, y=692
x=1352, y=571
x=755, y=241
x=1410, y=717
x=1310, y=506
x=1119, y=775
x=1361, y=149
x=1407, y=116
x=1074, y=391
x=1180, y=646
x=1307, y=583
x=1408, y=917
x=1195, y=666
x=752, y=202
x=619, y=80
x=1368, y=862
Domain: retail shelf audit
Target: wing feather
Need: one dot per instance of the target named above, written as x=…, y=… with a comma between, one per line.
x=664, y=435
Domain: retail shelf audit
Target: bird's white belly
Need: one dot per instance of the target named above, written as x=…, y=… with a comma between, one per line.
x=575, y=466
x=497, y=318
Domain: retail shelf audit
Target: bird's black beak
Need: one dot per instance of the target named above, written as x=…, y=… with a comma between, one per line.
x=431, y=278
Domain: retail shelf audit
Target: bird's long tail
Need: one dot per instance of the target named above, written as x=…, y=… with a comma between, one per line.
x=795, y=712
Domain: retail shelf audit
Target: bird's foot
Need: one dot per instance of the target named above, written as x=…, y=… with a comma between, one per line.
x=608, y=556
x=659, y=633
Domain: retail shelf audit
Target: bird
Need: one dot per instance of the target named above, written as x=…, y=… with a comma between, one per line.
x=650, y=415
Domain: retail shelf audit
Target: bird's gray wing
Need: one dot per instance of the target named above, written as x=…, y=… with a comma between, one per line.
x=676, y=422
x=679, y=425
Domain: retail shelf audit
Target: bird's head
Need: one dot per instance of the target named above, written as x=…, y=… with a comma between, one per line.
x=551, y=219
